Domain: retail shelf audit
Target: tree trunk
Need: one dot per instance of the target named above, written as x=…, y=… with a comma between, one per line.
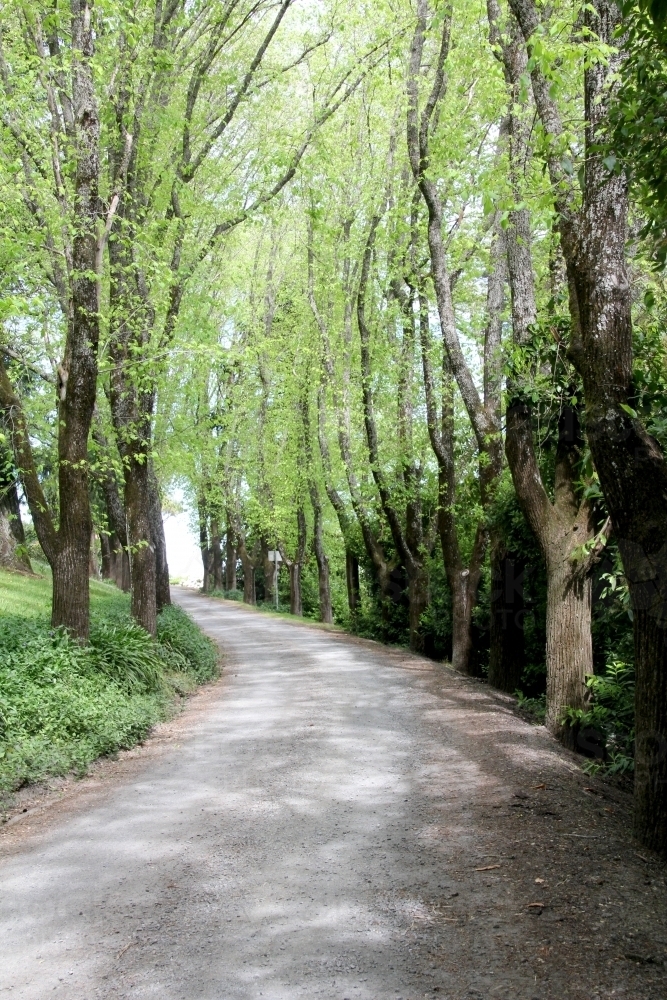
x=216, y=552
x=106, y=569
x=12, y=536
x=93, y=563
x=162, y=591
x=204, y=547
x=352, y=581
x=67, y=547
x=248, y=582
x=119, y=560
x=561, y=528
x=506, y=652
x=269, y=574
x=70, y=608
x=630, y=465
x=295, y=605
x=142, y=553
x=70, y=598
x=418, y=586
x=249, y=596
x=569, y=643
x=230, y=562
x=119, y=564
x=9, y=557
x=651, y=729
x=408, y=542
x=122, y=575
x=324, y=587
x=462, y=608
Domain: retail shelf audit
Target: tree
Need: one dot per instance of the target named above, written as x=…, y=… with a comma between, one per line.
x=629, y=462
x=484, y=413
x=49, y=56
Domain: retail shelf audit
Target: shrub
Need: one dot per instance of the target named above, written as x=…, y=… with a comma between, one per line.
x=179, y=636
x=62, y=704
x=126, y=653
x=58, y=712
x=609, y=717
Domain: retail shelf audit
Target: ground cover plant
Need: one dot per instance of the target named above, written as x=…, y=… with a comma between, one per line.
x=63, y=704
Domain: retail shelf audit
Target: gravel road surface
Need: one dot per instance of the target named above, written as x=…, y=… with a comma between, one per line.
x=342, y=821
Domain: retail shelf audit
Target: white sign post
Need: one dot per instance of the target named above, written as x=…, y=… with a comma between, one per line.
x=275, y=558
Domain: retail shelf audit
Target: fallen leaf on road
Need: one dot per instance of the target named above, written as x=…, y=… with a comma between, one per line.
x=540, y=880
x=486, y=868
x=539, y=786
x=529, y=905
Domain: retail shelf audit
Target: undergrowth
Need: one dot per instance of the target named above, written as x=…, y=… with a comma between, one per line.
x=606, y=726
x=62, y=705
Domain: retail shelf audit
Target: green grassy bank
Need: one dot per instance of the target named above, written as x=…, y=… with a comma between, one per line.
x=63, y=705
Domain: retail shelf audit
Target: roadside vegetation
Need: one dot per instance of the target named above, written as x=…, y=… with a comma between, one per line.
x=63, y=704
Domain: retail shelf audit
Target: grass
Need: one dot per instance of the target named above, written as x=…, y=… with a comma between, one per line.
x=30, y=596
x=62, y=705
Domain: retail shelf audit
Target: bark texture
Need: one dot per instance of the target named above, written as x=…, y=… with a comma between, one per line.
x=162, y=592
x=67, y=547
x=13, y=554
x=630, y=464
x=230, y=560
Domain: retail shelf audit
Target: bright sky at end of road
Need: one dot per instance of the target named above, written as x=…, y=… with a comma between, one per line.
x=183, y=552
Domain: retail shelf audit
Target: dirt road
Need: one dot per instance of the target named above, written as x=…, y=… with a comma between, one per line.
x=343, y=821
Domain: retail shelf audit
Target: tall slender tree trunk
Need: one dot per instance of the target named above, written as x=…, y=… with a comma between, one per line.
x=408, y=542
x=119, y=560
x=295, y=603
x=352, y=581
x=295, y=565
x=249, y=596
x=324, y=586
x=269, y=573
x=93, y=562
x=462, y=608
x=204, y=546
x=248, y=563
x=216, y=548
x=323, y=583
x=140, y=543
x=119, y=563
x=162, y=590
x=506, y=641
x=106, y=568
x=230, y=561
